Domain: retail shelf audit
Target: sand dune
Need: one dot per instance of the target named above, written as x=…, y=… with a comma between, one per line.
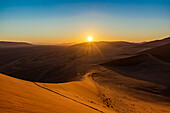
x=36, y=62
x=110, y=90
x=69, y=79
x=160, y=52
x=101, y=90
x=143, y=67
x=6, y=44
x=19, y=96
x=150, y=65
x=155, y=43
x=130, y=94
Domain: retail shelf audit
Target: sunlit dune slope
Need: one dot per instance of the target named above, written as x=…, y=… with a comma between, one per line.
x=18, y=96
x=101, y=90
x=113, y=91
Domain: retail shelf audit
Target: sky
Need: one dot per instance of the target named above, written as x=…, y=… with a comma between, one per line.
x=59, y=21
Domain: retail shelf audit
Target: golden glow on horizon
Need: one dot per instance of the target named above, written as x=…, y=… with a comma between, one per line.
x=89, y=38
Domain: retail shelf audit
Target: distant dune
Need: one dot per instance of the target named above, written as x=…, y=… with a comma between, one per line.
x=34, y=63
x=6, y=44
x=129, y=61
x=61, y=63
x=150, y=65
x=114, y=43
x=154, y=43
x=161, y=52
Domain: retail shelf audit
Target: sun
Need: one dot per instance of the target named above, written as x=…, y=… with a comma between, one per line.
x=89, y=38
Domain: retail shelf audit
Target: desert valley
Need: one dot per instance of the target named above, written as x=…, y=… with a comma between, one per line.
x=89, y=77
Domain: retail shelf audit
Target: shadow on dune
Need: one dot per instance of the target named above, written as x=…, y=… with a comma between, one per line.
x=146, y=68
x=55, y=63
x=50, y=64
x=157, y=77
x=47, y=72
x=161, y=52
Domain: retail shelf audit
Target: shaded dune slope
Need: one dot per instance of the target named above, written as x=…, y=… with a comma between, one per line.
x=154, y=43
x=56, y=63
x=129, y=61
x=40, y=63
x=161, y=52
x=149, y=65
